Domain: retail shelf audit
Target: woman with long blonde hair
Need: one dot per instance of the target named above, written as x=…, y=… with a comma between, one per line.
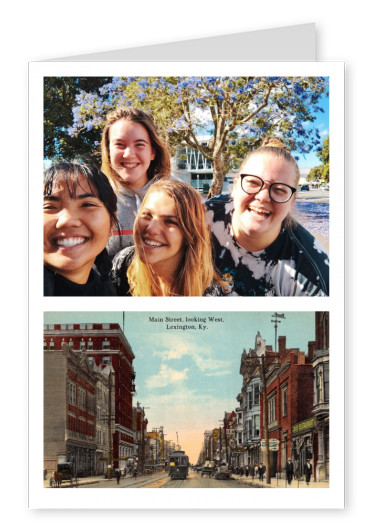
x=172, y=255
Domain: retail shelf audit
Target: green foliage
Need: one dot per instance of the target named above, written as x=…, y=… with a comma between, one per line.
x=236, y=111
x=321, y=172
x=59, y=99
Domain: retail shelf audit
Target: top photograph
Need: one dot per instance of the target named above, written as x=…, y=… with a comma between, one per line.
x=186, y=186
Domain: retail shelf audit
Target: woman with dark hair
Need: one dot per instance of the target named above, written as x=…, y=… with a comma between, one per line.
x=79, y=213
x=259, y=248
x=172, y=254
x=134, y=156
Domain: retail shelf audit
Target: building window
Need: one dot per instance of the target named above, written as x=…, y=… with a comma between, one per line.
x=326, y=382
x=71, y=393
x=272, y=410
x=50, y=327
x=256, y=424
x=89, y=326
x=52, y=345
x=90, y=344
x=44, y=345
x=82, y=344
x=105, y=344
x=284, y=401
x=106, y=360
x=90, y=403
x=81, y=398
x=70, y=327
x=317, y=385
x=70, y=343
x=105, y=326
x=82, y=326
x=250, y=401
x=256, y=400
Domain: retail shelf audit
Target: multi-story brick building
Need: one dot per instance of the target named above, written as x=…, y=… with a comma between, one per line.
x=69, y=410
x=140, y=423
x=289, y=392
x=105, y=344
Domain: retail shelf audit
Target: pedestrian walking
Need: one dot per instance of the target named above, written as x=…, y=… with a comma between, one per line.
x=289, y=471
x=262, y=469
x=246, y=471
x=117, y=475
x=308, y=471
x=252, y=471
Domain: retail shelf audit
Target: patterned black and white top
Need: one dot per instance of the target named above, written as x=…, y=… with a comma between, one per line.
x=295, y=264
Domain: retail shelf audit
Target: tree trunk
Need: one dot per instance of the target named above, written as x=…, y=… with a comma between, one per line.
x=220, y=168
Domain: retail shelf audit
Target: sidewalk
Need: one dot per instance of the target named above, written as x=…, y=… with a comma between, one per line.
x=276, y=483
x=100, y=479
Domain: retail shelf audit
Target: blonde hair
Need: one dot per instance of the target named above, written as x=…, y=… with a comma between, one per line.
x=160, y=167
x=196, y=271
x=275, y=147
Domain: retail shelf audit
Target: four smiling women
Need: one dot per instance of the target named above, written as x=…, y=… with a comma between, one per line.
x=159, y=229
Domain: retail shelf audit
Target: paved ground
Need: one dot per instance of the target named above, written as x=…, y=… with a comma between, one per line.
x=161, y=478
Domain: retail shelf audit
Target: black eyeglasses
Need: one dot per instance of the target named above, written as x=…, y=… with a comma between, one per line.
x=279, y=192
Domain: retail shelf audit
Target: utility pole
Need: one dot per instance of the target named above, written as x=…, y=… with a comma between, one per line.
x=276, y=317
x=265, y=417
x=109, y=468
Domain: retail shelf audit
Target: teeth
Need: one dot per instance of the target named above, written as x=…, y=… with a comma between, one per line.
x=260, y=211
x=130, y=165
x=153, y=244
x=69, y=242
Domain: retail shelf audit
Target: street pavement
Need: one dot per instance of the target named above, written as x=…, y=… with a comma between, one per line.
x=127, y=481
x=159, y=479
x=276, y=483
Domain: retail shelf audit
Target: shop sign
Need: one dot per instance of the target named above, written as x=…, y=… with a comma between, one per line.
x=273, y=445
x=304, y=425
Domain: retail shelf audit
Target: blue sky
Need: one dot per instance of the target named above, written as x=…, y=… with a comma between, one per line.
x=310, y=160
x=188, y=378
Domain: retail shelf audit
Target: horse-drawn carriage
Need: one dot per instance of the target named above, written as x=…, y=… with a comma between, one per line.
x=64, y=474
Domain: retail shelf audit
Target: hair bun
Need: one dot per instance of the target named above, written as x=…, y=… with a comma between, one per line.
x=273, y=141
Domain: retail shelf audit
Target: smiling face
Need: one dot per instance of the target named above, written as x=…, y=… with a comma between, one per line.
x=257, y=220
x=158, y=236
x=76, y=230
x=131, y=152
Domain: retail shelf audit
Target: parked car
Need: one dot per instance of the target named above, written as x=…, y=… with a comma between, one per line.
x=325, y=187
x=304, y=187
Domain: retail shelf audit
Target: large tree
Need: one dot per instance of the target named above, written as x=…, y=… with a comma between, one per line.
x=59, y=98
x=237, y=112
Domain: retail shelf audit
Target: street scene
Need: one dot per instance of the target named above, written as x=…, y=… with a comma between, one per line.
x=186, y=400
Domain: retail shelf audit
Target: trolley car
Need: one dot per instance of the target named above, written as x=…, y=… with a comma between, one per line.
x=178, y=465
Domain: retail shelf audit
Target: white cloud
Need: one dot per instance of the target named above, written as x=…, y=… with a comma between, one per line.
x=165, y=377
x=202, y=355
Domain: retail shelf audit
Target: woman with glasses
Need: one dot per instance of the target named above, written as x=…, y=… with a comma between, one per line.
x=259, y=248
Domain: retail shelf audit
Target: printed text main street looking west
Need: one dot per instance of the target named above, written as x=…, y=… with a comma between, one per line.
x=186, y=323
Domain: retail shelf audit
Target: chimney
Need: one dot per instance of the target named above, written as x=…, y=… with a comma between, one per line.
x=282, y=345
x=311, y=349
